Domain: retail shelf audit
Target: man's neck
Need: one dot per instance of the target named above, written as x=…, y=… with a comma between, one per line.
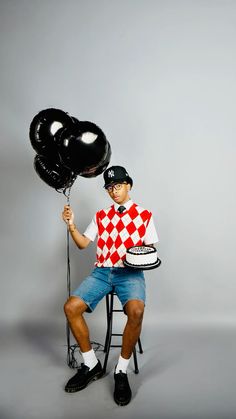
x=125, y=200
x=127, y=204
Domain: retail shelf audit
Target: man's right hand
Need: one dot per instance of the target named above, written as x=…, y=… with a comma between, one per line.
x=68, y=215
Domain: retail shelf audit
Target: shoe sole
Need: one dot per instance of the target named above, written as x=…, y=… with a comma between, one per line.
x=75, y=389
x=122, y=403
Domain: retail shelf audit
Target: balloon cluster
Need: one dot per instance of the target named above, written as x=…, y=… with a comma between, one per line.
x=67, y=147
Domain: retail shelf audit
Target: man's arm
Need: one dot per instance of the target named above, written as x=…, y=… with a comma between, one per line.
x=80, y=240
x=151, y=236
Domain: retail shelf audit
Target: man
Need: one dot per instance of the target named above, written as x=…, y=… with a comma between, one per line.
x=122, y=225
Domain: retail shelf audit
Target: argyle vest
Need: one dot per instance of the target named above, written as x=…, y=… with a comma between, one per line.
x=117, y=232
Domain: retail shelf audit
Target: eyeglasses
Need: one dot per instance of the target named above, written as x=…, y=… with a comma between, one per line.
x=117, y=187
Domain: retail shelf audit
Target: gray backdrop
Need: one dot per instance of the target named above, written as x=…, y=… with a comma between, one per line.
x=159, y=78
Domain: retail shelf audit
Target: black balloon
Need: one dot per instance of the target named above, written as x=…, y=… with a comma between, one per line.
x=43, y=129
x=53, y=173
x=74, y=120
x=95, y=171
x=84, y=149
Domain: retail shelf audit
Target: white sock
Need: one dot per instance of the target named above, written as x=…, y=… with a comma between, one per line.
x=122, y=365
x=90, y=359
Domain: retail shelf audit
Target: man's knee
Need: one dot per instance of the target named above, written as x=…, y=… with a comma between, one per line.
x=135, y=310
x=74, y=306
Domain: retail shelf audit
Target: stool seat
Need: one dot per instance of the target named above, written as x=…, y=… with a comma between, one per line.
x=109, y=334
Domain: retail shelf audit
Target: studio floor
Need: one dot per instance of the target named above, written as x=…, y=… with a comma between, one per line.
x=186, y=371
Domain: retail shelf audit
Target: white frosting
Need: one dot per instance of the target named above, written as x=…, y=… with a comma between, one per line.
x=141, y=255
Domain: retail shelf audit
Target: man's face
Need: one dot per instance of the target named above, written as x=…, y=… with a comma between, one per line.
x=119, y=192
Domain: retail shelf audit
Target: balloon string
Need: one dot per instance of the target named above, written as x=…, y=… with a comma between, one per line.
x=68, y=262
x=67, y=194
x=69, y=361
x=68, y=293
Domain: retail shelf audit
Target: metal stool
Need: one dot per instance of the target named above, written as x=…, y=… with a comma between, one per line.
x=110, y=310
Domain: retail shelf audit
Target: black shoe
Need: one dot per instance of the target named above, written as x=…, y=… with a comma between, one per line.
x=122, y=393
x=81, y=379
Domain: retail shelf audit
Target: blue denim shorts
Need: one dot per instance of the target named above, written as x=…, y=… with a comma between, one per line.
x=129, y=284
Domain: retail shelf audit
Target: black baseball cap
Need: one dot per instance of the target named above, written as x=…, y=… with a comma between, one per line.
x=116, y=174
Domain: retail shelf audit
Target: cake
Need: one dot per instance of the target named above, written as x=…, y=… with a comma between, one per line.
x=142, y=257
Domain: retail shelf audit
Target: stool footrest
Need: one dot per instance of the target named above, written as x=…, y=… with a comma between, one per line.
x=115, y=346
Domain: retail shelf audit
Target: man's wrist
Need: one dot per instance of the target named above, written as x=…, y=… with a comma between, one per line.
x=72, y=227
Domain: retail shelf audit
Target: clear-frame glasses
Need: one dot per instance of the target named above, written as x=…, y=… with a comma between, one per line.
x=116, y=186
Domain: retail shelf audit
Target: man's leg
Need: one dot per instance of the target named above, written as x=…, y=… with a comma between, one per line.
x=88, y=294
x=74, y=309
x=134, y=310
x=92, y=369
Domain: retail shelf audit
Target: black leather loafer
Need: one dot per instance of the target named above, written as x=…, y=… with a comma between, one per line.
x=122, y=393
x=83, y=376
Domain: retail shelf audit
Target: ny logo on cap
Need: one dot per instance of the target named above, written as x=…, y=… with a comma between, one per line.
x=111, y=173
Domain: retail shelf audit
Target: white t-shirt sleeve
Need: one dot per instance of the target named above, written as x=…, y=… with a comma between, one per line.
x=151, y=236
x=92, y=230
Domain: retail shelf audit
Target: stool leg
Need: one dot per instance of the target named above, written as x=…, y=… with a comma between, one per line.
x=108, y=322
x=69, y=360
x=140, y=346
x=136, y=370
x=109, y=333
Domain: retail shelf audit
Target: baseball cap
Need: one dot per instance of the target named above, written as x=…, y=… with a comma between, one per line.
x=116, y=174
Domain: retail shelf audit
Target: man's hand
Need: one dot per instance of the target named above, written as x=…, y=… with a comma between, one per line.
x=68, y=215
x=80, y=240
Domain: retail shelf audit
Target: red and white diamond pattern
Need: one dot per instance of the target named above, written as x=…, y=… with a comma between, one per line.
x=117, y=232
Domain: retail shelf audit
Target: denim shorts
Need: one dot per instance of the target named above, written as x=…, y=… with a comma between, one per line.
x=128, y=283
